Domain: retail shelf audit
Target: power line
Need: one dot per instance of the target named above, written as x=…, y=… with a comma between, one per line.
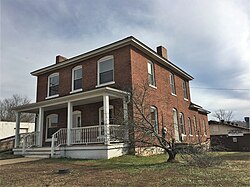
x=236, y=89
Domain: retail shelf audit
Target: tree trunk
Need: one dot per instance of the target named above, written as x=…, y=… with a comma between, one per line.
x=171, y=156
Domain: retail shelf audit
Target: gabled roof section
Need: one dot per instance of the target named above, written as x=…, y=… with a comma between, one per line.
x=198, y=108
x=118, y=44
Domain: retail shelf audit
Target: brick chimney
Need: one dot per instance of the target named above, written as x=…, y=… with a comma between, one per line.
x=60, y=58
x=162, y=51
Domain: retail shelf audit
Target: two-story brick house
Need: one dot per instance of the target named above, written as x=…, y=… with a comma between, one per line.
x=79, y=98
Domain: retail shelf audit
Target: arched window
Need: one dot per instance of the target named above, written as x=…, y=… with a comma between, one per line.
x=151, y=74
x=51, y=125
x=105, y=70
x=204, y=127
x=53, y=85
x=195, y=126
x=182, y=123
x=77, y=78
x=176, y=127
x=190, y=127
x=154, y=118
x=77, y=119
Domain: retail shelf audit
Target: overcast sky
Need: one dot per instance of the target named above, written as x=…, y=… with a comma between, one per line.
x=208, y=39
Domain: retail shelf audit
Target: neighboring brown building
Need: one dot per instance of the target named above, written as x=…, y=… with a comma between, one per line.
x=79, y=98
x=229, y=136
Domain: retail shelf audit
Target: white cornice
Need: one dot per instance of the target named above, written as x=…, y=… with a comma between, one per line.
x=121, y=43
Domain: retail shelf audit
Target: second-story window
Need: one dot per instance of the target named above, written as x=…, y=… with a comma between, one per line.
x=151, y=75
x=53, y=84
x=106, y=70
x=184, y=87
x=77, y=78
x=172, y=84
x=154, y=118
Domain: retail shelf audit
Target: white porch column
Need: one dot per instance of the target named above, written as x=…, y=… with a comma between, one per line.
x=69, y=124
x=106, y=118
x=17, y=135
x=125, y=117
x=40, y=126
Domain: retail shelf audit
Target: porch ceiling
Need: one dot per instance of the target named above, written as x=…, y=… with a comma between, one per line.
x=87, y=97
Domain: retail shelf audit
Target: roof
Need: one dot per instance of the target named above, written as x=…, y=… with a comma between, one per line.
x=118, y=44
x=227, y=123
x=198, y=108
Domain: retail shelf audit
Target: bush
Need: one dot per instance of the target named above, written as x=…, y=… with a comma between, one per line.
x=197, y=155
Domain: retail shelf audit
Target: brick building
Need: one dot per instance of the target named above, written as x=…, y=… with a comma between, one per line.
x=79, y=99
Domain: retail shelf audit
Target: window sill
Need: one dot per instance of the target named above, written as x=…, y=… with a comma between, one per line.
x=173, y=94
x=52, y=96
x=75, y=91
x=105, y=84
x=152, y=86
x=185, y=99
x=190, y=135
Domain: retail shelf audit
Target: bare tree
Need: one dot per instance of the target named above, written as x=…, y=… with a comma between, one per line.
x=6, y=106
x=223, y=115
x=144, y=128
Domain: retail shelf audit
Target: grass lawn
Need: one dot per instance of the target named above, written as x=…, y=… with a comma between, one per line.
x=128, y=171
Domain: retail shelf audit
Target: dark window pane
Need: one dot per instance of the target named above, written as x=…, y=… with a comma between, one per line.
x=106, y=77
x=77, y=84
x=53, y=90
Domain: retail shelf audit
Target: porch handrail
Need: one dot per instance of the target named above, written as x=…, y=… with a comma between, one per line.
x=94, y=134
x=58, y=138
x=29, y=140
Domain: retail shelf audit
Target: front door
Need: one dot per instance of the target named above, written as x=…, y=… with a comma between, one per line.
x=101, y=119
x=51, y=126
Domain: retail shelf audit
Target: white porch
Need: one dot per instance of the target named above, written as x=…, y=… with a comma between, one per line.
x=91, y=142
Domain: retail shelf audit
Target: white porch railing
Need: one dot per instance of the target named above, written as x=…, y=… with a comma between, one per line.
x=29, y=140
x=58, y=138
x=95, y=134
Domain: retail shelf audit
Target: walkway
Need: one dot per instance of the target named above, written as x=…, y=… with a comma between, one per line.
x=17, y=160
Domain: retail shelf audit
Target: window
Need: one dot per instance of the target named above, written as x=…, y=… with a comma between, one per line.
x=151, y=76
x=182, y=124
x=154, y=118
x=77, y=78
x=106, y=70
x=77, y=119
x=172, y=84
x=195, y=126
x=51, y=125
x=204, y=127
x=176, y=127
x=190, y=127
x=53, y=84
x=184, y=87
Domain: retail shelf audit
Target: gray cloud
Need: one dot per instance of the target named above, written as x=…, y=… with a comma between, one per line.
x=208, y=39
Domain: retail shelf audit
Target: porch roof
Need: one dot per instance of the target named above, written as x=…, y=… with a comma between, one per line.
x=81, y=98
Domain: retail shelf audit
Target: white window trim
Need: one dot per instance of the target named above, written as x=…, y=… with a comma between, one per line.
x=72, y=79
x=172, y=83
x=98, y=71
x=182, y=125
x=156, y=117
x=153, y=74
x=48, y=82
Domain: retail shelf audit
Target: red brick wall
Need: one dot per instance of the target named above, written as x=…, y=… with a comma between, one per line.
x=161, y=97
x=122, y=74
